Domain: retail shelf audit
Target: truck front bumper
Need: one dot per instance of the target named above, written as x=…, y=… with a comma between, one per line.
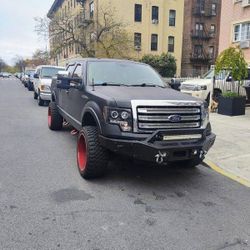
x=160, y=151
x=46, y=96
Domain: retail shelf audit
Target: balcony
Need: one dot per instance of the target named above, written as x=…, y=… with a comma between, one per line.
x=201, y=35
x=204, y=12
x=200, y=58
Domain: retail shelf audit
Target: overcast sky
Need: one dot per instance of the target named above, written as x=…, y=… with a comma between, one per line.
x=17, y=36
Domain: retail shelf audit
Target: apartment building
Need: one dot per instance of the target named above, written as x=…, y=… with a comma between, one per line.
x=235, y=20
x=155, y=26
x=200, y=36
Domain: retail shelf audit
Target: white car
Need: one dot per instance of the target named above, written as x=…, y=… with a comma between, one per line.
x=42, y=82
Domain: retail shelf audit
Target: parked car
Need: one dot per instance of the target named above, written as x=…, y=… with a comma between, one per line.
x=205, y=89
x=124, y=107
x=42, y=82
x=28, y=79
x=6, y=75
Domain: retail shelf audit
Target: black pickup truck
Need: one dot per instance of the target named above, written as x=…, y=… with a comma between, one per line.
x=124, y=107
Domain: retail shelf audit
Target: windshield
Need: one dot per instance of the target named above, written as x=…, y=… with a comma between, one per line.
x=209, y=74
x=50, y=72
x=123, y=73
x=30, y=72
x=222, y=75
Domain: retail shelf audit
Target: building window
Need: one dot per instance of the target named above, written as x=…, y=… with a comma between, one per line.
x=138, y=12
x=200, y=5
x=137, y=41
x=154, y=42
x=214, y=7
x=91, y=9
x=212, y=29
x=211, y=52
x=155, y=13
x=172, y=16
x=241, y=32
x=199, y=27
x=171, y=44
x=198, y=51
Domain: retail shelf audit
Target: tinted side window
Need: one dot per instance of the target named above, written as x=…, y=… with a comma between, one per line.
x=70, y=69
x=78, y=72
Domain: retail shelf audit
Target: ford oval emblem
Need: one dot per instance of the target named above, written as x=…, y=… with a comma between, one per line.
x=174, y=118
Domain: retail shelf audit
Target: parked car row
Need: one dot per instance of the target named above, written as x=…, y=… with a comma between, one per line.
x=5, y=75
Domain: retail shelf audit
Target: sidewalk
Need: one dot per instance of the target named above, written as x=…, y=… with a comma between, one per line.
x=231, y=151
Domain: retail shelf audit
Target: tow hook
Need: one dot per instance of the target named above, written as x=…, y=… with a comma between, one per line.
x=161, y=157
x=202, y=154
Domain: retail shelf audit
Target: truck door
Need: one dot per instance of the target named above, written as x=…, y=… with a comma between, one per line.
x=76, y=97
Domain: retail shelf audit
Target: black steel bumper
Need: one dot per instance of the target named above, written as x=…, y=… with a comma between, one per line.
x=160, y=151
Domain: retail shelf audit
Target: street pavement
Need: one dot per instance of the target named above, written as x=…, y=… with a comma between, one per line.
x=45, y=204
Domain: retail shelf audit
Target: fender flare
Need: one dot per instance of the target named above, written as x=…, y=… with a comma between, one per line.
x=93, y=109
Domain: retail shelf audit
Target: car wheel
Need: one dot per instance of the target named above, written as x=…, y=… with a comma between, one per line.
x=39, y=100
x=30, y=88
x=35, y=95
x=55, y=120
x=92, y=158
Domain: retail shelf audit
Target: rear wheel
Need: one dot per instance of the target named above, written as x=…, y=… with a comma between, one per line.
x=55, y=120
x=92, y=158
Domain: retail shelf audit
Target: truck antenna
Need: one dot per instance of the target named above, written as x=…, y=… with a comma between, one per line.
x=93, y=84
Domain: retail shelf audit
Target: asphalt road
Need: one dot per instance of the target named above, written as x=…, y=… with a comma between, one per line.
x=45, y=204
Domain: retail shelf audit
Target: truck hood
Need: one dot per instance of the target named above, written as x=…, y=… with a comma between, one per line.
x=123, y=95
x=46, y=81
x=198, y=81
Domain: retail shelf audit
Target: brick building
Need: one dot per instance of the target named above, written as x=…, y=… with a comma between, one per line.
x=235, y=20
x=200, y=36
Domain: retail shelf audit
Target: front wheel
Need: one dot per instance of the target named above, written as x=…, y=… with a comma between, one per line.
x=40, y=101
x=35, y=95
x=92, y=158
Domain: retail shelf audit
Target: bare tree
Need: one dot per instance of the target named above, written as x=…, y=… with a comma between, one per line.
x=103, y=36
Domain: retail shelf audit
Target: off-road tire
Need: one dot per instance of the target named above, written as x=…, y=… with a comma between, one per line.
x=95, y=160
x=39, y=100
x=35, y=95
x=55, y=120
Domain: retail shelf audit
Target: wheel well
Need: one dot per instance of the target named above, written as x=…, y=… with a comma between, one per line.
x=88, y=120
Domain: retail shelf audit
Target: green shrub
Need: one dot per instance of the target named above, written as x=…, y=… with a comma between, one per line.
x=165, y=64
x=230, y=94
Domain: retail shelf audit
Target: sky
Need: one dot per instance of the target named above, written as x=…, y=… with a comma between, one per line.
x=17, y=24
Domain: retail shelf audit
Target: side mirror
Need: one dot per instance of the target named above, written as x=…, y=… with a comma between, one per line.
x=229, y=78
x=36, y=76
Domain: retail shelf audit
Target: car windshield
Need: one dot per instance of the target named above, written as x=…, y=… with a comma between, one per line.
x=220, y=76
x=123, y=73
x=30, y=72
x=49, y=72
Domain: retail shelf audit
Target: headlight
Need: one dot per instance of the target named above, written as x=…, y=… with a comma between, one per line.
x=120, y=117
x=193, y=87
x=45, y=87
x=200, y=87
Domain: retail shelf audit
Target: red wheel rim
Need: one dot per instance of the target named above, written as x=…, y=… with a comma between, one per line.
x=49, y=117
x=81, y=153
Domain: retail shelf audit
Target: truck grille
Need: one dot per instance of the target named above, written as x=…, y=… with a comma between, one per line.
x=152, y=118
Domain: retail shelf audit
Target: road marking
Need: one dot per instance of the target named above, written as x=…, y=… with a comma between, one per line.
x=230, y=175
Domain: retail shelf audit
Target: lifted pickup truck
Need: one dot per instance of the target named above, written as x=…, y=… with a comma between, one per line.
x=124, y=107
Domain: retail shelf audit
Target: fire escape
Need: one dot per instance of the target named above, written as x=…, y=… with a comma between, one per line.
x=200, y=34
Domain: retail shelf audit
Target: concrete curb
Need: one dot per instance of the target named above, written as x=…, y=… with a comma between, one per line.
x=230, y=175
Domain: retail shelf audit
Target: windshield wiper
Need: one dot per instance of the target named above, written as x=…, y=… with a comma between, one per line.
x=147, y=85
x=110, y=84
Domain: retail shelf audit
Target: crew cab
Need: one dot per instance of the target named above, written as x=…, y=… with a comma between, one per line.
x=124, y=107
x=42, y=82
